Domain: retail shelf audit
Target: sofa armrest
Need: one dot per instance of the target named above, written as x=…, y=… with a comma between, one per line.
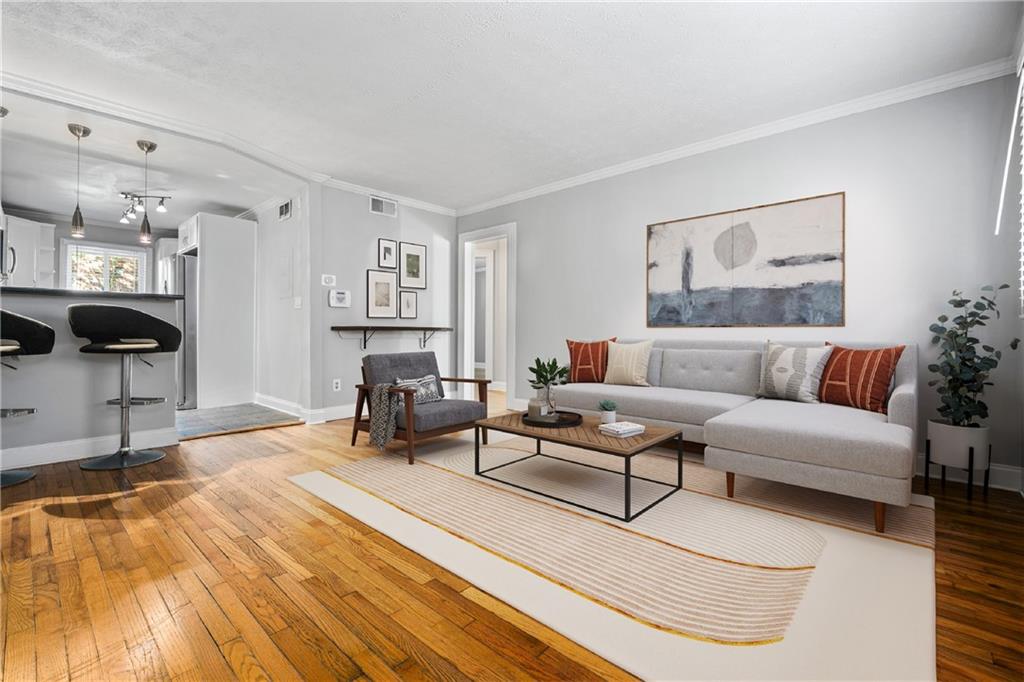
x=902, y=408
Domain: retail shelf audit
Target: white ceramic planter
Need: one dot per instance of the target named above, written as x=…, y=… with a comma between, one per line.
x=950, y=445
x=608, y=417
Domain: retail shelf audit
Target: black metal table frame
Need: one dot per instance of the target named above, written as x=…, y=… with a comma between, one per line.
x=627, y=474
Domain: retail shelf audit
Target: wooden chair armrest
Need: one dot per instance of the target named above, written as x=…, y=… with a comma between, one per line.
x=393, y=389
x=455, y=380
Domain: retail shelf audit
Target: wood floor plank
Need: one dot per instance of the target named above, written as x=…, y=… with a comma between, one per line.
x=210, y=565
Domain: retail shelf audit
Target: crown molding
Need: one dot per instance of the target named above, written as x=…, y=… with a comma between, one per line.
x=29, y=87
x=931, y=86
x=266, y=204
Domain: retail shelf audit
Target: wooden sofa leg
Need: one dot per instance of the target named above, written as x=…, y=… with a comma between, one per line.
x=730, y=483
x=880, y=517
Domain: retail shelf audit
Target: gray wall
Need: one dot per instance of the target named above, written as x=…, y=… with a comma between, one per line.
x=921, y=180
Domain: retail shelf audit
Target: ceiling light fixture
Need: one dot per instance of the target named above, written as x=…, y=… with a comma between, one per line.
x=124, y=218
x=145, y=233
x=160, y=208
x=131, y=212
x=77, y=221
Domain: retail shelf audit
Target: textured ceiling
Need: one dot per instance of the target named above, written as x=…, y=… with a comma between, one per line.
x=457, y=104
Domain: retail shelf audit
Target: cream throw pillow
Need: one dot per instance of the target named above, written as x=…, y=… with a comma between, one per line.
x=793, y=373
x=627, y=363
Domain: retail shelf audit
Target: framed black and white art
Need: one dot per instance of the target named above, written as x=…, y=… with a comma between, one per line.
x=381, y=294
x=412, y=265
x=387, y=253
x=407, y=305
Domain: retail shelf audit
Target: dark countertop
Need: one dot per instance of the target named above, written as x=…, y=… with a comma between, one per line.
x=116, y=295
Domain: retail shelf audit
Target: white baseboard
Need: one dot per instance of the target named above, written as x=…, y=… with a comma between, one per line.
x=278, y=404
x=68, y=450
x=1003, y=476
x=329, y=414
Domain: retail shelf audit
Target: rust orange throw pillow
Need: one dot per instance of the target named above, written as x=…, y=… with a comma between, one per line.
x=859, y=377
x=588, y=361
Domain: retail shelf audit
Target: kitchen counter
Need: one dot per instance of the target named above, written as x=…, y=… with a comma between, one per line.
x=116, y=295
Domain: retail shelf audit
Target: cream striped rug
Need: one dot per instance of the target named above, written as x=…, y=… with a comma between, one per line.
x=815, y=600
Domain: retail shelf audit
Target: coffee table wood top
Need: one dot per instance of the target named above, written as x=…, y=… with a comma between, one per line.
x=584, y=436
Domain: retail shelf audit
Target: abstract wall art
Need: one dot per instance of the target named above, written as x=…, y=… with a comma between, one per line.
x=772, y=265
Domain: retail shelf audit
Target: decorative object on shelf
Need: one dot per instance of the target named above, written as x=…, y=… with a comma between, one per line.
x=387, y=253
x=381, y=294
x=412, y=260
x=554, y=420
x=407, y=305
x=145, y=233
x=959, y=439
x=546, y=375
x=608, y=408
x=779, y=264
x=77, y=221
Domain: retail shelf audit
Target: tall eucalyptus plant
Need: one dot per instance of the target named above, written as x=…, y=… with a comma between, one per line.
x=965, y=364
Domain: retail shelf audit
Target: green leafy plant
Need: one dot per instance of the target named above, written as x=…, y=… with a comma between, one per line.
x=964, y=363
x=548, y=373
x=608, y=405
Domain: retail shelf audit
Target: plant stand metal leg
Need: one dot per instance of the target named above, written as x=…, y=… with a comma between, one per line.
x=629, y=506
x=970, y=473
x=988, y=469
x=476, y=449
x=927, y=463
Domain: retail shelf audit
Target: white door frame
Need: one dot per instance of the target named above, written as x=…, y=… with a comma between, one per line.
x=487, y=257
x=466, y=270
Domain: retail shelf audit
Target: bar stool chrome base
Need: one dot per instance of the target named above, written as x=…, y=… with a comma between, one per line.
x=9, y=478
x=124, y=459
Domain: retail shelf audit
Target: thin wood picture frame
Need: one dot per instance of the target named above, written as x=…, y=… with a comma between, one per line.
x=408, y=305
x=381, y=294
x=412, y=265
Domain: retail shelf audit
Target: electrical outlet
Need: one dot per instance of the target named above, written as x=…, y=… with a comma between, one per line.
x=297, y=302
x=336, y=384
x=328, y=280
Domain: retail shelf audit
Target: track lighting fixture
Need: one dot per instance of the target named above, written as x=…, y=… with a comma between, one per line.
x=131, y=212
x=124, y=218
x=77, y=221
x=160, y=208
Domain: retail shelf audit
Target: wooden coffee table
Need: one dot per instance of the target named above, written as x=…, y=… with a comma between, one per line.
x=586, y=437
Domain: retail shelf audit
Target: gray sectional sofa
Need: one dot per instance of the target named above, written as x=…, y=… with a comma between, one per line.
x=709, y=390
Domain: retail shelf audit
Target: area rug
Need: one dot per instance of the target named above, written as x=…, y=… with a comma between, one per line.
x=698, y=587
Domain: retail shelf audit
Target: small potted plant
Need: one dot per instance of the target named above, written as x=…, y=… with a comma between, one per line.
x=963, y=369
x=546, y=375
x=608, y=408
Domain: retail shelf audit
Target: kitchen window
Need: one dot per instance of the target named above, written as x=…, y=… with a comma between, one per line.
x=91, y=266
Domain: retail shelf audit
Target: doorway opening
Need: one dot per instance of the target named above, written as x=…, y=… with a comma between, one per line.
x=486, y=294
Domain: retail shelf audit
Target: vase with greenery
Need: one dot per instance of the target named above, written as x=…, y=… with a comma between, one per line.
x=546, y=375
x=608, y=408
x=962, y=371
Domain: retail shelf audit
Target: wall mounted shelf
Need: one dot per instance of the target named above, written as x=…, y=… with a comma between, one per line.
x=368, y=331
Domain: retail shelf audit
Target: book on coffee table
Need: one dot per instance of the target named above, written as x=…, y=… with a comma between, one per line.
x=621, y=429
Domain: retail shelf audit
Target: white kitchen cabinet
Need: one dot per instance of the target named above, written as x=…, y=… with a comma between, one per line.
x=33, y=258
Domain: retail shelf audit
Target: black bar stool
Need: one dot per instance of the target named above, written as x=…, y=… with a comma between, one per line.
x=20, y=335
x=114, y=329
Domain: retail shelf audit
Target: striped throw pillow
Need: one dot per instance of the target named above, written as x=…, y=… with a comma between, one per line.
x=793, y=372
x=426, y=388
x=860, y=377
x=588, y=361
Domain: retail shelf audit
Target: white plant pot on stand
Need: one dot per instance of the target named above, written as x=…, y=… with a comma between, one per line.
x=962, y=447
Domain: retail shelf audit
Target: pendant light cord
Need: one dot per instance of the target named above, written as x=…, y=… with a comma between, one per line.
x=78, y=172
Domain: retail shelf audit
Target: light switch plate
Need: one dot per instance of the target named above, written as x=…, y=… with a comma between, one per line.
x=328, y=280
x=298, y=302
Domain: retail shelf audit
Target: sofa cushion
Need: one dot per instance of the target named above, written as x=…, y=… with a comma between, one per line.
x=816, y=433
x=627, y=363
x=677, y=405
x=793, y=372
x=441, y=413
x=860, y=377
x=725, y=371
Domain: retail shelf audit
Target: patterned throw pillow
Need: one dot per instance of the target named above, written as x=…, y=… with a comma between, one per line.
x=627, y=363
x=793, y=373
x=426, y=388
x=860, y=377
x=588, y=361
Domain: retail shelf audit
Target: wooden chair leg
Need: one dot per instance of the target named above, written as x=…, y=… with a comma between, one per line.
x=730, y=483
x=360, y=398
x=880, y=517
x=410, y=428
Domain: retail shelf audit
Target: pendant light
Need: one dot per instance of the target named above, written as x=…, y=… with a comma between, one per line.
x=145, y=234
x=77, y=221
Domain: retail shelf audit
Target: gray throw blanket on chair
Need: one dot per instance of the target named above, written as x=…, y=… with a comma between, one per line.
x=383, y=409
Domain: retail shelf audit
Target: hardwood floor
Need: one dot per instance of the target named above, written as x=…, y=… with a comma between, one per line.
x=209, y=565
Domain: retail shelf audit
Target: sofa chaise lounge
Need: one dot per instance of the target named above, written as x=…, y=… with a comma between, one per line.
x=709, y=390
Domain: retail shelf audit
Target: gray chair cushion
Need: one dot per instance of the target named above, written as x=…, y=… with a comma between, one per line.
x=816, y=433
x=441, y=413
x=675, y=405
x=384, y=368
x=725, y=371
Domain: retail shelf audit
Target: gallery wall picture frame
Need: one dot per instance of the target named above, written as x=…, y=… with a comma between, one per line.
x=412, y=265
x=773, y=265
x=408, y=305
x=387, y=253
x=381, y=294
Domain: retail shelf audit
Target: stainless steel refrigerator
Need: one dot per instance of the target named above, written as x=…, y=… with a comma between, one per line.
x=188, y=312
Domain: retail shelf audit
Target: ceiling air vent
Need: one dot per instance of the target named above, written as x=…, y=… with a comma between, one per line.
x=382, y=206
